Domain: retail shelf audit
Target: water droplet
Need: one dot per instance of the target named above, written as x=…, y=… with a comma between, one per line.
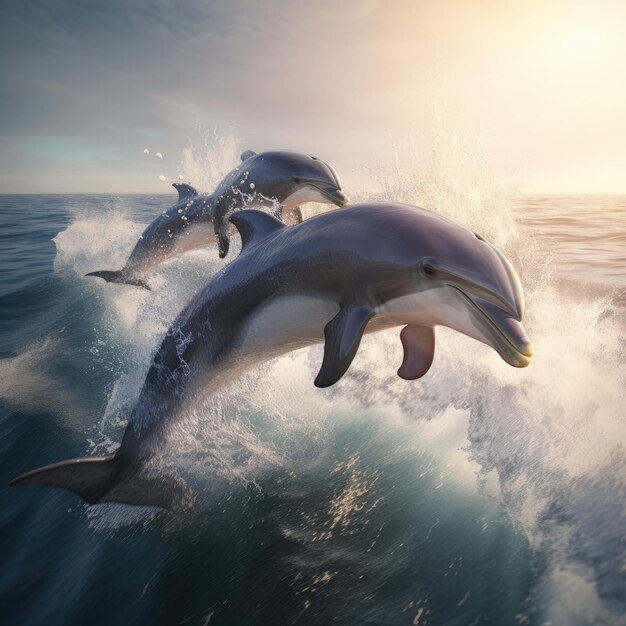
x=146, y=151
x=158, y=155
x=180, y=210
x=162, y=178
x=252, y=185
x=181, y=177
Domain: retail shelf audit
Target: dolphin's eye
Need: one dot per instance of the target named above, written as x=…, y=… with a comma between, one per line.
x=429, y=270
x=296, y=180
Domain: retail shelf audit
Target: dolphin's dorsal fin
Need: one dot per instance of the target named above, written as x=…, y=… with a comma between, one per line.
x=343, y=335
x=253, y=226
x=419, y=350
x=247, y=154
x=184, y=191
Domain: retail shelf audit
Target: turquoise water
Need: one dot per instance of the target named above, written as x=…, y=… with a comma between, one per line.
x=478, y=495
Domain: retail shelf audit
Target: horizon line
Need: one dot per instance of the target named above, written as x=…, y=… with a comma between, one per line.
x=173, y=193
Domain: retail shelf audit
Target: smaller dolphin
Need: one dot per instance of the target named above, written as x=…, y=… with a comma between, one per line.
x=329, y=279
x=280, y=180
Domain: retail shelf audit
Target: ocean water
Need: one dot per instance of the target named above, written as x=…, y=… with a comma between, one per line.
x=479, y=495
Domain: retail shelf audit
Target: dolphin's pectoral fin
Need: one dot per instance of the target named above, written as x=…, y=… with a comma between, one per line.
x=419, y=349
x=253, y=226
x=343, y=335
x=223, y=242
x=184, y=191
x=247, y=154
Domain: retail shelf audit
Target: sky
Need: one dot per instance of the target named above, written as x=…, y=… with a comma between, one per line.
x=86, y=86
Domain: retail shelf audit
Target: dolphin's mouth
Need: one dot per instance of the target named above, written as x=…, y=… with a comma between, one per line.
x=335, y=195
x=508, y=335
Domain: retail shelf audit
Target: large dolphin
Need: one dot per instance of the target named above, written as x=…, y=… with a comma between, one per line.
x=331, y=278
x=281, y=180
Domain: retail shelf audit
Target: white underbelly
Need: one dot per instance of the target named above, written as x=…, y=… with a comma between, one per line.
x=283, y=325
x=293, y=322
x=303, y=195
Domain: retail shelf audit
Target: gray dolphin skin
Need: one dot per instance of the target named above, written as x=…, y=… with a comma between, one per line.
x=280, y=180
x=329, y=279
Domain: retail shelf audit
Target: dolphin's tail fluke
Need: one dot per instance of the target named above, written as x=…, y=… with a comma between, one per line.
x=90, y=477
x=119, y=277
x=110, y=478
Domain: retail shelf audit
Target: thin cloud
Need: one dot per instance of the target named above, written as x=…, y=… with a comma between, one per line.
x=331, y=78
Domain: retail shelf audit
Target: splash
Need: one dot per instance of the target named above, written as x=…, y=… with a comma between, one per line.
x=129, y=323
x=546, y=442
x=456, y=179
x=552, y=434
x=209, y=156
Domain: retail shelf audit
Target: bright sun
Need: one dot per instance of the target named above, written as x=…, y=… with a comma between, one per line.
x=580, y=42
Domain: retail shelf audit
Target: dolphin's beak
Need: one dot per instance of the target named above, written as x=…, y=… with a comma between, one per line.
x=510, y=329
x=335, y=195
x=500, y=329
